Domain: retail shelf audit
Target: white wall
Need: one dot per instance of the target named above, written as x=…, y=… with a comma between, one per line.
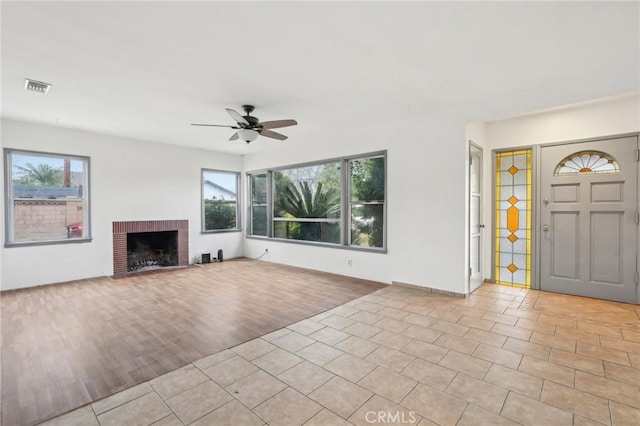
x=130, y=180
x=425, y=203
x=590, y=120
x=606, y=117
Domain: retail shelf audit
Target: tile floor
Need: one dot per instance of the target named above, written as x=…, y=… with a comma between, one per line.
x=503, y=356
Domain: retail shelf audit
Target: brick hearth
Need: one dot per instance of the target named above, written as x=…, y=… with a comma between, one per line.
x=121, y=229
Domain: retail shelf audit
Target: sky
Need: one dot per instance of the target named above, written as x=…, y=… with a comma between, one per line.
x=224, y=179
x=57, y=162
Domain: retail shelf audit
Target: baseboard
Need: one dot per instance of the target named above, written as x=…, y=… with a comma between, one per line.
x=429, y=289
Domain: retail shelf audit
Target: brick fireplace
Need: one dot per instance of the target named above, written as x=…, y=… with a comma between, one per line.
x=121, y=229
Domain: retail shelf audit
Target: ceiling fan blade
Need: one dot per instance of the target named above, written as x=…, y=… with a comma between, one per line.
x=234, y=136
x=214, y=125
x=270, y=134
x=278, y=123
x=236, y=116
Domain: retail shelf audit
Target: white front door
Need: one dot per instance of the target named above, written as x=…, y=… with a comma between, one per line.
x=475, y=217
x=588, y=219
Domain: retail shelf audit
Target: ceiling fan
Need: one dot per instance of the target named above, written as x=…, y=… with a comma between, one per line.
x=249, y=127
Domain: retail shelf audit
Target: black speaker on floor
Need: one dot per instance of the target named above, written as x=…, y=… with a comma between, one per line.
x=220, y=259
x=206, y=258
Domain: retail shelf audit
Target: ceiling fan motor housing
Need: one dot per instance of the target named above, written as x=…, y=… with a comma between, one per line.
x=253, y=121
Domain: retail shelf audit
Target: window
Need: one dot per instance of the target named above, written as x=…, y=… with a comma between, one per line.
x=513, y=218
x=306, y=204
x=259, y=206
x=339, y=202
x=47, y=198
x=220, y=201
x=587, y=162
x=367, y=201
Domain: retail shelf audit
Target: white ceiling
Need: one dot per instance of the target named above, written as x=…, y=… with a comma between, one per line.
x=146, y=70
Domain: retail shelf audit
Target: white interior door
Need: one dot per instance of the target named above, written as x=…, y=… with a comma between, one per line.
x=475, y=217
x=588, y=219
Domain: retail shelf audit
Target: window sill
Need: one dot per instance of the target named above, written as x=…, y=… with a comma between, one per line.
x=220, y=231
x=49, y=243
x=376, y=250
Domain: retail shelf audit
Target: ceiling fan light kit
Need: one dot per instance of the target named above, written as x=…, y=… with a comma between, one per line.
x=250, y=127
x=247, y=135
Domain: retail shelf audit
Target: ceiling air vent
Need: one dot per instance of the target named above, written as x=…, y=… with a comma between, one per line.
x=36, y=86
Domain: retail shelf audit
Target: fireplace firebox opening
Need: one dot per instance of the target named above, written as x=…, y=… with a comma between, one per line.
x=151, y=250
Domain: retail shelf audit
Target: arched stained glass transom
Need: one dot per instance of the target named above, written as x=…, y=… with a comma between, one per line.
x=587, y=162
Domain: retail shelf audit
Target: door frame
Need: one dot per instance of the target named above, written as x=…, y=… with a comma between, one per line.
x=536, y=205
x=473, y=146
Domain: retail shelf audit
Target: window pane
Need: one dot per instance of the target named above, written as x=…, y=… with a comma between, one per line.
x=587, y=162
x=367, y=179
x=323, y=232
x=219, y=215
x=258, y=185
x=259, y=189
x=367, y=225
x=367, y=196
x=513, y=217
x=219, y=186
x=49, y=197
x=311, y=192
x=220, y=195
x=259, y=220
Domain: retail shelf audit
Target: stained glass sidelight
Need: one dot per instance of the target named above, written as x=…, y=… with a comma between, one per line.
x=587, y=162
x=513, y=218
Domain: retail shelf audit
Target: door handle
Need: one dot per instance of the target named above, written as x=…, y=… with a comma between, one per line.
x=545, y=202
x=545, y=228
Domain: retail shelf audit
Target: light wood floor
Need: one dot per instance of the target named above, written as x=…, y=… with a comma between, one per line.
x=66, y=345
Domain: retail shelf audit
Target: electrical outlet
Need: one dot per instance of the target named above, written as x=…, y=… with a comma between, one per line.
x=349, y=263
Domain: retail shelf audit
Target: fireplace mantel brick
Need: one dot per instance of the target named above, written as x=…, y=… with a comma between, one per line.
x=121, y=229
